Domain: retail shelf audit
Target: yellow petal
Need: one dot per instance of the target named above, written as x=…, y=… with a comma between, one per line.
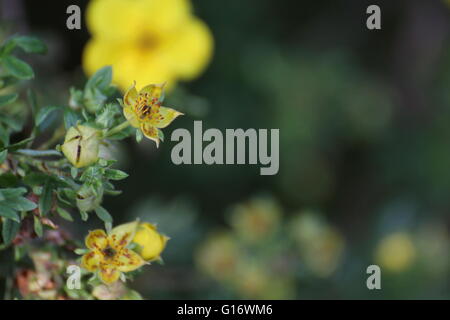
x=189, y=50
x=164, y=117
x=97, y=239
x=151, y=243
x=122, y=235
x=91, y=260
x=131, y=116
x=150, y=132
x=127, y=260
x=109, y=274
x=130, y=97
x=153, y=91
x=100, y=15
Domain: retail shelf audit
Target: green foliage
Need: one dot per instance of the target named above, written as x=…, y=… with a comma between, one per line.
x=36, y=181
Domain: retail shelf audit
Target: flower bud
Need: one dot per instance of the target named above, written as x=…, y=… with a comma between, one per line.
x=81, y=145
x=151, y=243
x=87, y=199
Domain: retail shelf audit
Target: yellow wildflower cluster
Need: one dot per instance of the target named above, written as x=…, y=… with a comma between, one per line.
x=109, y=254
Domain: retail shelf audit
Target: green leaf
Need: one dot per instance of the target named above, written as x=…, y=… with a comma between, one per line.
x=101, y=79
x=18, y=68
x=84, y=215
x=30, y=44
x=7, y=47
x=139, y=136
x=7, y=81
x=70, y=118
x=9, y=180
x=115, y=174
x=22, y=204
x=35, y=179
x=8, y=193
x=43, y=113
x=73, y=172
x=3, y=155
x=9, y=230
x=38, y=227
x=160, y=135
x=45, y=200
x=32, y=101
x=8, y=212
x=18, y=145
x=64, y=214
x=9, y=98
x=103, y=215
x=81, y=251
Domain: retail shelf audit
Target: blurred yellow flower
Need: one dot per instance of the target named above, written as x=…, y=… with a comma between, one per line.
x=218, y=255
x=321, y=246
x=395, y=252
x=108, y=254
x=143, y=110
x=151, y=243
x=256, y=220
x=149, y=41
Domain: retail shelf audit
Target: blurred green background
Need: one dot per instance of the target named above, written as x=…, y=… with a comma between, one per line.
x=364, y=150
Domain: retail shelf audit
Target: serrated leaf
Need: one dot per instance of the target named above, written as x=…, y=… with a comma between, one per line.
x=18, y=68
x=30, y=44
x=7, y=99
x=103, y=215
x=64, y=214
x=44, y=112
x=9, y=230
x=45, y=200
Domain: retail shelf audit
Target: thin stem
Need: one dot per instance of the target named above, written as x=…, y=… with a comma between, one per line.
x=117, y=129
x=38, y=153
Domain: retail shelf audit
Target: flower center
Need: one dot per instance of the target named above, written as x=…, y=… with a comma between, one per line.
x=109, y=252
x=147, y=42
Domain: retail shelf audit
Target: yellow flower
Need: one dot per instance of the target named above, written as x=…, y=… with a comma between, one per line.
x=257, y=219
x=108, y=254
x=151, y=243
x=219, y=255
x=144, y=111
x=396, y=252
x=150, y=41
x=81, y=145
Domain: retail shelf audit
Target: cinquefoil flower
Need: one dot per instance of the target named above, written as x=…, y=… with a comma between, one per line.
x=144, y=111
x=108, y=254
x=149, y=41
